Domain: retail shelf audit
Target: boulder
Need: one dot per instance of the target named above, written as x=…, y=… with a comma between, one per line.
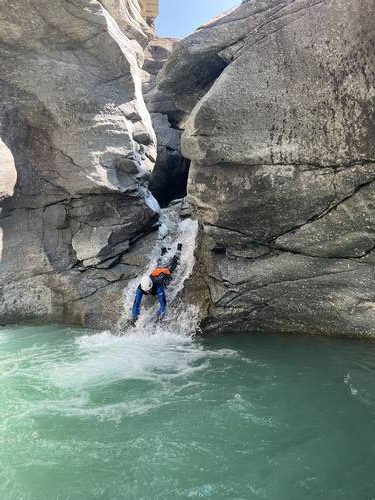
x=280, y=135
x=73, y=116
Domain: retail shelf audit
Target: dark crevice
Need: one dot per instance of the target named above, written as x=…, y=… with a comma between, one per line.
x=170, y=175
x=169, y=179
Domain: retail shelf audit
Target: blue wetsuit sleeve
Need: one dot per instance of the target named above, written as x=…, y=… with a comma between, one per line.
x=137, y=303
x=162, y=300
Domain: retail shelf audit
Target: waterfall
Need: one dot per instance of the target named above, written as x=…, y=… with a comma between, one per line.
x=180, y=318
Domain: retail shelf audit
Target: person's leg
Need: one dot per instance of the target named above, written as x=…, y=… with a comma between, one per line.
x=137, y=304
x=162, y=301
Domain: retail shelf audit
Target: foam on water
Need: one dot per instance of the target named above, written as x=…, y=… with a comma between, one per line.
x=89, y=416
x=151, y=350
x=105, y=358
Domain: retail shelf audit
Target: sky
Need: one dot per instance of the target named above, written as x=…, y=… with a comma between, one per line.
x=179, y=18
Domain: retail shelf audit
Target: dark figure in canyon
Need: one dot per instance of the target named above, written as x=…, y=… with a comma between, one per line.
x=156, y=283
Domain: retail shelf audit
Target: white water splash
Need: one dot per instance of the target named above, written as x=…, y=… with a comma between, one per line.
x=106, y=359
x=180, y=319
x=150, y=351
x=353, y=390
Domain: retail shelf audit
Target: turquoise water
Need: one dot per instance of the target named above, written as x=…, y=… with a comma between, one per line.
x=238, y=417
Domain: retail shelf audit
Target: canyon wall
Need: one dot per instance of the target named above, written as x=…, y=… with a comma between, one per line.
x=73, y=117
x=281, y=138
x=277, y=101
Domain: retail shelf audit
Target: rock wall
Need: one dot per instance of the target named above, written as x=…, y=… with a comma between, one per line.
x=169, y=177
x=281, y=137
x=73, y=116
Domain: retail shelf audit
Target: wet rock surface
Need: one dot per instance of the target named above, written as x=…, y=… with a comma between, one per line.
x=73, y=116
x=280, y=135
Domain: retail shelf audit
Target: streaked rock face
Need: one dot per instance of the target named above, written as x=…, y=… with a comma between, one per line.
x=73, y=116
x=281, y=138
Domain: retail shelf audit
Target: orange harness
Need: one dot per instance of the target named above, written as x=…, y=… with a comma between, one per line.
x=161, y=270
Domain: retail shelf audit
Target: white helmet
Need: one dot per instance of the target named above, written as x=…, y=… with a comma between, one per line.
x=146, y=283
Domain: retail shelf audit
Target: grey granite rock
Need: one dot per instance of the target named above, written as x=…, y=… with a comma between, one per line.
x=73, y=116
x=281, y=138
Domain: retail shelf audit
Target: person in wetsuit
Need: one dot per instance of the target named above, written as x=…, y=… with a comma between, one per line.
x=156, y=283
